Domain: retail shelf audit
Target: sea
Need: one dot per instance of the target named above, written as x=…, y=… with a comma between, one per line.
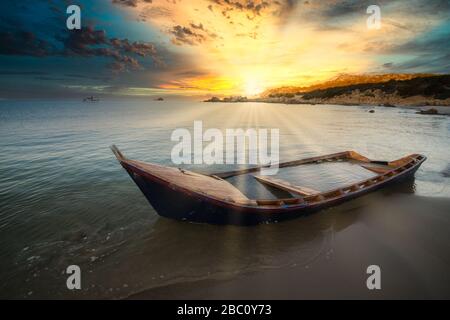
x=65, y=200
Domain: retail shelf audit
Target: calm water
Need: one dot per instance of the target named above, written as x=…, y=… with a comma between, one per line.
x=65, y=200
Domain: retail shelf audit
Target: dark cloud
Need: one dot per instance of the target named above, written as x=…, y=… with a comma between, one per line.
x=345, y=8
x=205, y=31
x=333, y=13
x=184, y=35
x=81, y=42
x=124, y=63
x=192, y=35
x=23, y=42
x=86, y=42
x=252, y=6
x=255, y=8
x=430, y=54
x=130, y=3
x=436, y=63
x=89, y=42
x=197, y=26
x=45, y=35
x=436, y=44
x=140, y=48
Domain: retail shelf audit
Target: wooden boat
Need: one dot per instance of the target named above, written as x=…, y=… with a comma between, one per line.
x=186, y=195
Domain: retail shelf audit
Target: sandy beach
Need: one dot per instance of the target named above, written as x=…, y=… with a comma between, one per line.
x=406, y=237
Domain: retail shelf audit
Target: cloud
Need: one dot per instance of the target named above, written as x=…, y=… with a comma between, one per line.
x=23, y=42
x=337, y=14
x=184, y=35
x=201, y=28
x=437, y=44
x=425, y=54
x=227, y=43
x=154, y=12
x=255, y=7
x=197, y=26
x=140, y=48
x=130, y=3
x=426, y=63
x=286, y=42
x=86, y=42
x=89, y=42
x=124, y=63
x=80, y=42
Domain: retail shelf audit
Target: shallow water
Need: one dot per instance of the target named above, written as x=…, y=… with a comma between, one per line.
x=65, y=200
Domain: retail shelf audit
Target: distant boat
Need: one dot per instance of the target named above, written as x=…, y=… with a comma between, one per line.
x=159, y=99
x=185, y=195
x=91, y=99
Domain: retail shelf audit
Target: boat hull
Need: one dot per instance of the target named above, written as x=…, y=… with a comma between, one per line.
x=172, y=202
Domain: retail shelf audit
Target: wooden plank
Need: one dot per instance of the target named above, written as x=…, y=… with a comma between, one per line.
x=402, y=161
x=286, y=186
x=356, y=156
x=117, y=153
x=197, y=182
x=376, y=169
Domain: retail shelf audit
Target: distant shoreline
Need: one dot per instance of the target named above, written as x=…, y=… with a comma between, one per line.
x=443, y=109
x=429, y=92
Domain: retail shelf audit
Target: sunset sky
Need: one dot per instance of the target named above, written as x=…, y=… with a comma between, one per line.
x=211, y=47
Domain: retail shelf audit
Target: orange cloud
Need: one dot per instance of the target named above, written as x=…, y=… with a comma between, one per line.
x=245, y=47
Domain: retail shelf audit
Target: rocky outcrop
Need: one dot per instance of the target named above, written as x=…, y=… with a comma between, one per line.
x=430, y=91
x=428, y=111
x=228, y=99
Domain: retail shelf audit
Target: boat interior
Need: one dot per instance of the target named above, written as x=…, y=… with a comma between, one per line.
x=284, y=189
x=320, y=178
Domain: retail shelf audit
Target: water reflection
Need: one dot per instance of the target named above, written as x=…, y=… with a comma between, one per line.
x=199, y=251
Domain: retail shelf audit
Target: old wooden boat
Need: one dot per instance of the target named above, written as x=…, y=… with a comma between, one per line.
x=186, y=195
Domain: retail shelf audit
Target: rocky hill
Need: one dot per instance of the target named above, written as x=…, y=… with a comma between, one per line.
x=416, y=91
x=341, y=80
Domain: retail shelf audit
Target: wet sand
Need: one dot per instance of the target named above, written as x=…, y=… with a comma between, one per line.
x=407, y=236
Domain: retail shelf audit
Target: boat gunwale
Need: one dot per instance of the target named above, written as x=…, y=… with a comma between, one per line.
x=415, y=159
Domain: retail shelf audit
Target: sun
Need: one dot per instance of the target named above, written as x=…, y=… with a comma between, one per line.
x=253, y=87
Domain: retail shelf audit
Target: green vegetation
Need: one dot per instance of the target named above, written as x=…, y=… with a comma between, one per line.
x=437, y=87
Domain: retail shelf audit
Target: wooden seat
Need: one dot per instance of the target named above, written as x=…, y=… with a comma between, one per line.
x=286, y=186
